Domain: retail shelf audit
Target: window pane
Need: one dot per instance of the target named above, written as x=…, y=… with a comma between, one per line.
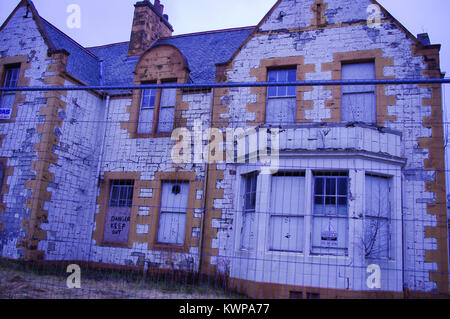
x=318, y=187
x=175, y=197
x=148, y=98
x=145, y=125
x=248, y=236
x=171, y=228
x=250, y=192
x=282, y=76
x=286, y=233
x=342, y=186
x=282, y=91
x=11, y=77
x=121, y=194
x=168, y=97
x=281, y=111
x=376, y=238
x=330, y=236
x=287, y=195
x=377, y=219
x=377, y=197
x=331, y=186
x=359, y=107
x=166, y=119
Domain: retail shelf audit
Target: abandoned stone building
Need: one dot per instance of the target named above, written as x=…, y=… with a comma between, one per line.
x=89, y=175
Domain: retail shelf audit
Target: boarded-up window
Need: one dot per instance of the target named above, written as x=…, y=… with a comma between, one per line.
x=147, y=111
x=172, y=219
x=118, y=213
x=11, y=79
x=377, y=217
x=359, y=101
x=167, y=110
x=248, y=235
x=281, y=100
x=330, y=214
x=287, y=209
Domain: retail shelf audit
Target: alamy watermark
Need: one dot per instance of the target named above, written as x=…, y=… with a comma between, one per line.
x=374, y=279
x=74, y=279
x=374, y=19
x=232, y=146
x=74, y=18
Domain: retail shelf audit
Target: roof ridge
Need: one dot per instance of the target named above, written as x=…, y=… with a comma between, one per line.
x=107, y=45
x=208, y=32
x=70, y=39
x=176, y=36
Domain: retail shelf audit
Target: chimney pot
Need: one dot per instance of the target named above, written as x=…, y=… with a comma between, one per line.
x=424, y=38
x=166, y=17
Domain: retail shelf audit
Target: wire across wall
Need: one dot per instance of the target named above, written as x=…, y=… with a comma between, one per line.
x=302, y=189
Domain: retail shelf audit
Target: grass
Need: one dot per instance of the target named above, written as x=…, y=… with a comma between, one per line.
x=20, y=280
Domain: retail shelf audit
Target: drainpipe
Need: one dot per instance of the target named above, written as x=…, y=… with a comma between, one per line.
x=205, y=191
x=100, y=161
x=403, y=238
x=103, y=136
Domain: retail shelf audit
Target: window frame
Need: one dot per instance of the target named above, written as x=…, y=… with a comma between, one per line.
x=293, y=173
x=161, y=212
x=328, y=175
x=11, y=63
x=388, y=219
x=263, y=207
x=156, y=109
x=355, y=62
x=270, y=97
x=183, y=177
x=244, y=211
x=107, y=205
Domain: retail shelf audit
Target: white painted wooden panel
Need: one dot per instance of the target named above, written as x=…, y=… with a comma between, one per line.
x=358, y=101
x=281, y=111
x=171, y=228
x=287, y=200
x=172, y=219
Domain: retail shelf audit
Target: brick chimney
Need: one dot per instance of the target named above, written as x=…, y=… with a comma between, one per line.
x=149, y=25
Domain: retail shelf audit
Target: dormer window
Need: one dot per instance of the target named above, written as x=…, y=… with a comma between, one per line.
x=157, y=110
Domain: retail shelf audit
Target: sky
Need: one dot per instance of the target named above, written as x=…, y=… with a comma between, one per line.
x=109, y=21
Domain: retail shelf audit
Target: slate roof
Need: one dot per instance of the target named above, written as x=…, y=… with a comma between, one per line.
x=81, y=64
x=110, y=64
x=202, y=51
